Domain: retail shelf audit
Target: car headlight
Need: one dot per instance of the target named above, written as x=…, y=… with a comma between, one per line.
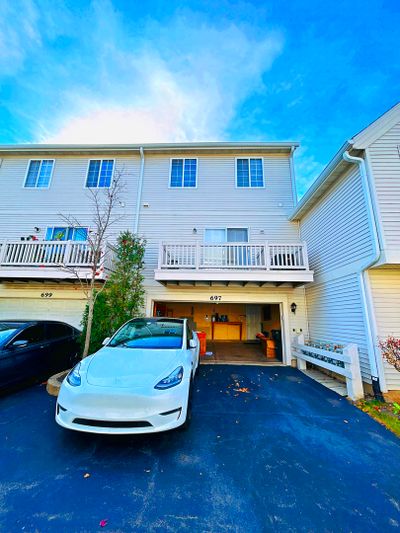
x=74, y=377
x=172, y=380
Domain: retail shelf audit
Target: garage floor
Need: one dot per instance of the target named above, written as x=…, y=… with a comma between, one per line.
x=284, y=455
x=228, y=352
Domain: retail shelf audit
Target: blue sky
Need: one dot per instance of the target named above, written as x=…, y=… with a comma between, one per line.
x=164, y=71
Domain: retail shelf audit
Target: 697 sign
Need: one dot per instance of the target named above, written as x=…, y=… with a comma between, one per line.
x=215, y=298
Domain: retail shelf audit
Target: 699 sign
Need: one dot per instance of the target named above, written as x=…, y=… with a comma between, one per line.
x=46, y=295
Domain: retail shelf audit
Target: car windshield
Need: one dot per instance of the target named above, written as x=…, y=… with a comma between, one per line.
x=148, y=333
x=7, y=330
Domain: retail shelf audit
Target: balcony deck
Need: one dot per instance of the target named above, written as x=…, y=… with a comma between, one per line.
x=52, y=260
x=260, y=263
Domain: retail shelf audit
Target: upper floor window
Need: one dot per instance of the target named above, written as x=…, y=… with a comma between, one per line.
x=39, y=173
x=183, y=173
x=62, y=233
x=249, y=172
x=100, y=173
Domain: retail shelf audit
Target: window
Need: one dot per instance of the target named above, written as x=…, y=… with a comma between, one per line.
x=100, y=173
x=153, y=333
x=220, y=235
x=183, y=173
x=58, y=331
x=66, y=234
x=249, y=172
x=31, y=335
x=39, y=173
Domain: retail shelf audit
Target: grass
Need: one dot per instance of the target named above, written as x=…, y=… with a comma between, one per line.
x=387, y=414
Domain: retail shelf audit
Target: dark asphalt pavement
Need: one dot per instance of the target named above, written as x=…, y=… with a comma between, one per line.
x=289, y=455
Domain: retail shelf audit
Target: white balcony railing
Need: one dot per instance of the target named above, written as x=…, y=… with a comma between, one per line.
x=233, y=256
x=20, y=256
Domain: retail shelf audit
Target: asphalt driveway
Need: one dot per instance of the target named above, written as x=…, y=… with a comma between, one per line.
x=289, y=455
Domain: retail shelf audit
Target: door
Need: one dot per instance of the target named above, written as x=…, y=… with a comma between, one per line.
x=214, y=256
x=63, y=346
x=237, y=255
x=26, y=353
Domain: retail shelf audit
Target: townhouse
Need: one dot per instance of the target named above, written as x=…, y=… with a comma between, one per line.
x=220, y=246
x=350, y=218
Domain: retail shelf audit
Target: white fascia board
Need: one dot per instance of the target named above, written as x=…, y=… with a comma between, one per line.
x=288, y=146
x=273, y=276
x=376, y=129
x=320, y=184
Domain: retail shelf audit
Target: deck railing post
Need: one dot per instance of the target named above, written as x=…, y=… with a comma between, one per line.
x=3, y=251
x=197, y=258
x=267, y=256
x=160, y=255
x=355, y=389
x=301, y=364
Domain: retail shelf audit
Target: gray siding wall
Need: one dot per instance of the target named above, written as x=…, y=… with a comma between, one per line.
x=22, y=208
x=216, y=202
x=339, y=243
x=384, y=156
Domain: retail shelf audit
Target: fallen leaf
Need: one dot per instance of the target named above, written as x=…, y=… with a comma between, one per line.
x=242, y=389
x=346, y=421
x=103, y=522
x=86, y=475
x=148, y=471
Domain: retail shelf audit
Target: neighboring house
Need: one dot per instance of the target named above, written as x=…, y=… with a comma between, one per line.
x=350, y=218
x=220, y=246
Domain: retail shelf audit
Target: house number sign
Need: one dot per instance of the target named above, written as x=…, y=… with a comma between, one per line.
x=46, y=295
x=215, y=298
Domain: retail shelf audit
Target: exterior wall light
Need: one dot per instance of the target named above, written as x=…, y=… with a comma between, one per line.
x=293, y=308
x=194, y=231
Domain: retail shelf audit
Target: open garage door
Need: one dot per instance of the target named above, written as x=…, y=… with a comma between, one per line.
x=235, y=332
x=69, y=311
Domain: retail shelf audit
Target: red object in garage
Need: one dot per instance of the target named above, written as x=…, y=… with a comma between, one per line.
x=203, y=342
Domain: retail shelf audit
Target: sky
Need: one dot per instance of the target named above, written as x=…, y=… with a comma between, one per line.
x=128, y=71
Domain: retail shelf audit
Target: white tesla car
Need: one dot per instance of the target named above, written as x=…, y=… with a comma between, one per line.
x=139, y=382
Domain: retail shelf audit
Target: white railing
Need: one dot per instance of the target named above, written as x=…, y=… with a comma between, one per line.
x=342, y=360
x=238, y=256
x=66, y=254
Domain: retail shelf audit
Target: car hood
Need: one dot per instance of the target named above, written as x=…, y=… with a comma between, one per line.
x=131, y=367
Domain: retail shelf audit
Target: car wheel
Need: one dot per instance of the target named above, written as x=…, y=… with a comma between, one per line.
x=186, y=423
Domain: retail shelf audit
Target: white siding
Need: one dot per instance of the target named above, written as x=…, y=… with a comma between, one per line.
x=216, y=202
x=336, y=229
x=384, y=157
x=338, y=237
x=335, y=314
x=385, y=287
x=22, y=208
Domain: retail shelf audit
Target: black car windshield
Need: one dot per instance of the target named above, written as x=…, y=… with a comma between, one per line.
x=7, y=330
x=162, y=333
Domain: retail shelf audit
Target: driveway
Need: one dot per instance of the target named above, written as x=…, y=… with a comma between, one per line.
x=289, y=455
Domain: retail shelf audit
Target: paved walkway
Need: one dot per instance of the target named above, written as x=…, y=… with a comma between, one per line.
x=288, y=455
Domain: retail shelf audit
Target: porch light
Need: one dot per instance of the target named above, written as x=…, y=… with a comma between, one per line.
x=194, y=231
x=293, y=308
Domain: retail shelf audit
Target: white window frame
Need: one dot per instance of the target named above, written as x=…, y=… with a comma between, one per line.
x=27, y=170
x=183, y=175
x=250, y=186
x=52, y=228
x=101, y=162
x=226, y=228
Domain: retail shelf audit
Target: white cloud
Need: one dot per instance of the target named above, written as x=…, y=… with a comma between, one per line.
x=183, y=85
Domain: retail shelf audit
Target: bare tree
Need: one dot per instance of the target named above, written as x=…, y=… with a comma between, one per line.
x=104, y=203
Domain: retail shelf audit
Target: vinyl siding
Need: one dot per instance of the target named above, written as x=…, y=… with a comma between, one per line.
x=335, y=315
x=336, y=229
x=384, y=155
x=338, y=238
x=22, y=208
x=216, y=202
x=385, y=287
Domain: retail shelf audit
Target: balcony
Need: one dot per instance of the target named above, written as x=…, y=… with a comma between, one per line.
x=51, y=260
x=261, y=263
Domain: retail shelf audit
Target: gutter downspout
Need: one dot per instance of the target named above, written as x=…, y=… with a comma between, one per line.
x=139, y=191
x=363, y=276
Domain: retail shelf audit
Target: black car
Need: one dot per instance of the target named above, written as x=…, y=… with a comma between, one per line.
x=35, y=350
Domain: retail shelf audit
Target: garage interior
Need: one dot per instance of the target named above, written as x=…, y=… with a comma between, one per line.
x=235, y=332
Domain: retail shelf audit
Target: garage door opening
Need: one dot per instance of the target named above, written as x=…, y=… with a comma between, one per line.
x=240, y=333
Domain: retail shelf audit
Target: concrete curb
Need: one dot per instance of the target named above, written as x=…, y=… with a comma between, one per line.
x=54, y=383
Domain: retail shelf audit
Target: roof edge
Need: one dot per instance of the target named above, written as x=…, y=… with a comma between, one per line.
x=308, y=199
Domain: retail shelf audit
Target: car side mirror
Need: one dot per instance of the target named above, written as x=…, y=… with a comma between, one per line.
x=19, y=344
x=192, y=343
x=106, y=341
